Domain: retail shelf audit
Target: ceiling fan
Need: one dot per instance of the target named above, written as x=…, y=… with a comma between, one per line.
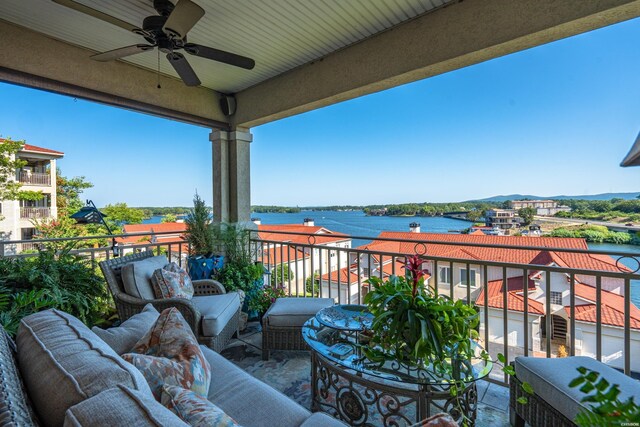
x=166, y=31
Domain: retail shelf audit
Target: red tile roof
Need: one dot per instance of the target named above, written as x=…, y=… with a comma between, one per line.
x=612, y=306
x=515, y=299
x=35, y=149
x=609, y=315
x=178, y=227
x=29, y=147
x=515, y=255
x=345, y=274
x=275, y=256
x=320, y=236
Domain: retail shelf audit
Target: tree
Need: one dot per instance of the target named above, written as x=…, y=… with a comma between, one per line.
x=527, y=215
x=119, y=214
x=281, y=275
x=68, y=193
x=169, y=218
x=10, y=189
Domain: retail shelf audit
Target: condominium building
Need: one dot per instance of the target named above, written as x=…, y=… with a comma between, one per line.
x=542, y=207
x=39, y=174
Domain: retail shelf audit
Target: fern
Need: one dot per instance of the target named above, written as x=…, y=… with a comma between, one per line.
x=606, y=408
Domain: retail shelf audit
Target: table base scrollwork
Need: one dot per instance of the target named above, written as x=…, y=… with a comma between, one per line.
x=365, y=401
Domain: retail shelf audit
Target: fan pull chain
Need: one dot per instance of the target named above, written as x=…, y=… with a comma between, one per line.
x=158, y=74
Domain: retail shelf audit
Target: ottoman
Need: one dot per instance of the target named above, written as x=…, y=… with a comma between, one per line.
x=282, y=323
x=554, y=402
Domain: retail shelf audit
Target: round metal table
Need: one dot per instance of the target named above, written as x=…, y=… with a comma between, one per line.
x=346, y=385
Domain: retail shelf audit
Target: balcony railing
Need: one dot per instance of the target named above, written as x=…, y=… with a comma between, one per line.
x=35, y=212
x=34, y=178
x=596, y=317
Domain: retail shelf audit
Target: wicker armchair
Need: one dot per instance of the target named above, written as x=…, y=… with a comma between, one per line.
x=128, y=305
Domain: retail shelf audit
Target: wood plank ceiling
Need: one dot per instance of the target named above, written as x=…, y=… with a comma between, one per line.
x=279, y=34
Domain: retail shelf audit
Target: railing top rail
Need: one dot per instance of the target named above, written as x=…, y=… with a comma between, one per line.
x=437, y=242
x=103, y=236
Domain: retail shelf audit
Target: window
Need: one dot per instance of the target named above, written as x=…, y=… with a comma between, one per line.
x=556, y=297
x=472, y=276
x=444, y=275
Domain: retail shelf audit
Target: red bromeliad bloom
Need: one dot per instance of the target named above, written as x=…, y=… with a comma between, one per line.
x=413, y=265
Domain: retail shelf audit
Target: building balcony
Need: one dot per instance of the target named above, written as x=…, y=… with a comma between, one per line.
x=34, y=178
x=35, y=212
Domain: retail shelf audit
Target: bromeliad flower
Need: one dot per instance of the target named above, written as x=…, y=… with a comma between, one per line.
x=413, y=265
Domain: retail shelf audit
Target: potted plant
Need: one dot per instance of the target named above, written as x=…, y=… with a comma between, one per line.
x=240, y=271
x=202, y=261
x=418, y=328
x=264, y=297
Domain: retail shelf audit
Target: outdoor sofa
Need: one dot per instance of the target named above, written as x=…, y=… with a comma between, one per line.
x=62, y=373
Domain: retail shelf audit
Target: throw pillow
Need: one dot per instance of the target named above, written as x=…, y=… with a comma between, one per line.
x=172, y=281
x=122, y=338
x=136, y=276
x=169, y=354
x=194, y=409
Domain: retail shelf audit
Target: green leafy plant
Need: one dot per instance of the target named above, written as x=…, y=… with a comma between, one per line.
x=264, y=297
x=417, y=328
x=52, y=279
x=606, y=408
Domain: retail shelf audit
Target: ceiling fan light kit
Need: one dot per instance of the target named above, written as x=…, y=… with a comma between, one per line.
x=166, y=31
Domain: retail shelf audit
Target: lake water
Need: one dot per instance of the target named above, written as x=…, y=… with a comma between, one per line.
x=356, y=223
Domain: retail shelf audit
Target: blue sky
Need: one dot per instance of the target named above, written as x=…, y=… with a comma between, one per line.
x=556, y=119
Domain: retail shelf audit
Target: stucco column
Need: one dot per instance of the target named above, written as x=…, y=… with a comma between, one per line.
x=231, y=175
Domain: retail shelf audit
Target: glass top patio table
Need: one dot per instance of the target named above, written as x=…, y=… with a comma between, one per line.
x=342, y=348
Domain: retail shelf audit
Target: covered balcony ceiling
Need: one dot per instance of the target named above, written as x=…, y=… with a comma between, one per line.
x=278, y=34
x=308, y=54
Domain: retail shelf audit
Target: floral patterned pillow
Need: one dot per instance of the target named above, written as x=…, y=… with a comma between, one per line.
x=172, y=281
x=169, y=354
x=194, y=409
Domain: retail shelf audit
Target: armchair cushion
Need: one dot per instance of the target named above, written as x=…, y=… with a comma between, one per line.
x=216, y=311
x=136, y=276
x=172, y=281
x=169, y=354
x=122, y=338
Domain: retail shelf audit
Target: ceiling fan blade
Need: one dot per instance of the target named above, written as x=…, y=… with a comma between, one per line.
x=220, y=56
x=121, y=52
x=182, y=19
x=182, y=67
x=71, y=4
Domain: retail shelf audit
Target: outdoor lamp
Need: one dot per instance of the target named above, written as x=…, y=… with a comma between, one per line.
x=89, y=214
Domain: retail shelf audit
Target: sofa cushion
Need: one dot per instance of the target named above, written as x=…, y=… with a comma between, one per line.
x=550, y=380
x=136, y=276
x=320, y=419
x=122, y=338
x=15, y=408
x=294, y=312
x=63, y=363
x=121, y=407
x=248, y=400
x=194, y=409
x=216, y=311
x=169, y=354
x=172, y=281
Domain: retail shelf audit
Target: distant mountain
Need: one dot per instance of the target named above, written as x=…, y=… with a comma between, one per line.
x=603, y=196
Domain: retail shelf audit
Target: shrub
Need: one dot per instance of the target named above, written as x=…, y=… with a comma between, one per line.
x=52, y=279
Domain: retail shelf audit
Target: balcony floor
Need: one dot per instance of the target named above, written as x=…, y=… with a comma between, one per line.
x=289, y=372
